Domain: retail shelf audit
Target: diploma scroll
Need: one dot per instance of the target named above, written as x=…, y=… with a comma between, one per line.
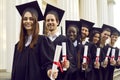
x=113, y=54
x=85, y=56
x=56, y=59
x=64, y=55
x=97, y=54
x=108, y=53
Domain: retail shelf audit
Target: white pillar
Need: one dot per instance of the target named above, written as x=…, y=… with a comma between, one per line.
x=2, y=34
x=111, y=12
x=102, y=12
x=40, y=22
x=10, y=32
x=88, y=10
x=71, y=8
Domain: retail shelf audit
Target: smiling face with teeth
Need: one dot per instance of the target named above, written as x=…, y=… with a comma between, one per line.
x=28, y=21
x=51, y=22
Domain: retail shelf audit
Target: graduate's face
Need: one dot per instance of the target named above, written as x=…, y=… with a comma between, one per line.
x=72, y=33
x=51, y=22
x=28, y=21
x=96, y=38
x=84, y=32
x=105, y=35
x=114, y=38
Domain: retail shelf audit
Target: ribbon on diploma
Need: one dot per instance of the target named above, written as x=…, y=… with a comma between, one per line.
x=59, y=65
x=97, y=58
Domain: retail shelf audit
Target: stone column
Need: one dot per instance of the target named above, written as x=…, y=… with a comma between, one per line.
x=71, y=11
x=111, y=12
x=2, y=34
x=88, y=10
x=11, y=28
x=102, y=9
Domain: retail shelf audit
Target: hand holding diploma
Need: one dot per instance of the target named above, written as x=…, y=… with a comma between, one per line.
x=65, y=62
x=112, y=59
x=97, y=63
x=84, y=63
x=56, y=63
x=105, y=62
x=54, y=74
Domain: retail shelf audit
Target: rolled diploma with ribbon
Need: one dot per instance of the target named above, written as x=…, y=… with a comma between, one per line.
x=85, y=55
x=56, y=59
x=113, y=54
x=108, y=53
x=97, y=55
x=64, y=56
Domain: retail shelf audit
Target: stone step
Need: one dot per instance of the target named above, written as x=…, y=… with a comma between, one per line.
x=5, y=75
x=117, y=74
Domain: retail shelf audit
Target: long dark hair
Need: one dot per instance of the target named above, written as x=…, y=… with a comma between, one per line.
x=92, y=34
x=23, y=32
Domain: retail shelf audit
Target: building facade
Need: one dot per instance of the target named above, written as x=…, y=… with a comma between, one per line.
x=98, y=11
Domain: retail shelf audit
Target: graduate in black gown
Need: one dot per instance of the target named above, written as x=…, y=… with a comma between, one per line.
x=95, y=39
x=52, y=18
x=113, y=58
x=72, y=32
x=33, y=53
x=105, y=34
x=84, y=30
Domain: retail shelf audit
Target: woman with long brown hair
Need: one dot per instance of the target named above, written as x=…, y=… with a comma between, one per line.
x=33, y=52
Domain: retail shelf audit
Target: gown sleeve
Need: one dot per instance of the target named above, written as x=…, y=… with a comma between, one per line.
x=47, y=53
x=14, y=62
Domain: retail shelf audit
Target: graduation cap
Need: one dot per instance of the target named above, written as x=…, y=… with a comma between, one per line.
x=96, y=29
x=87, y=24
x=59, y=12
x=106, y=27
x=31, y=6
x=70, y=23
x=115, y=31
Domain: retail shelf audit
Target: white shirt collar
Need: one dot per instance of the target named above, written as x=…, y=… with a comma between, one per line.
x=75, y=43
x=53, y=37
x=86, y=40
x=28, y=40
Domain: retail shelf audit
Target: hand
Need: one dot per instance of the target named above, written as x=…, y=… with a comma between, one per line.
x=96, y=65
x=65, y=64
x=54, y=74
x=112, y=62
x=104, y=63
x=118, y=62
x=85, y=66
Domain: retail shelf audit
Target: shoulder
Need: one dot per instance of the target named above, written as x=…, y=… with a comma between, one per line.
x=43, y=38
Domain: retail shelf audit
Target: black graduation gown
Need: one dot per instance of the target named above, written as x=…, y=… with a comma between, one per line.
x=79, y=73
x=117, y=55
x=96, y=73
x=58, y=41
x=107, y=73
x=110, y=70
x=104, y=70
x=33, y=63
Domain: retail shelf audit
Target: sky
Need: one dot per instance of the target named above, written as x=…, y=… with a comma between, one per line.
x=117, y=19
